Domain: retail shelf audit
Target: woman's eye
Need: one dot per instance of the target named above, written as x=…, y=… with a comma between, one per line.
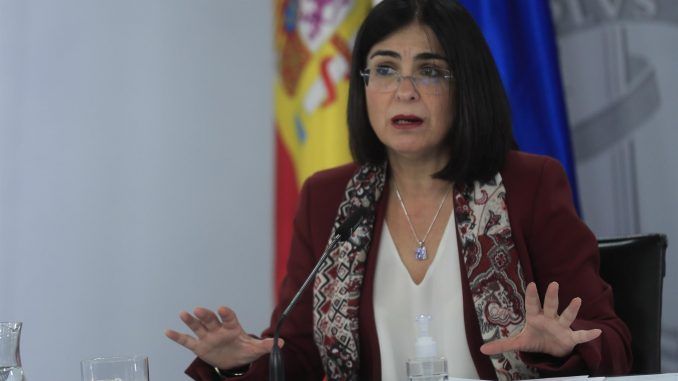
x=430, y=72
x=385, y=71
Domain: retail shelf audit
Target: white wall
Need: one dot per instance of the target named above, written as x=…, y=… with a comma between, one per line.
x=136, y=153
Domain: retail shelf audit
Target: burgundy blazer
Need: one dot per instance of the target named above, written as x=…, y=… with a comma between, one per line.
x=553, y=244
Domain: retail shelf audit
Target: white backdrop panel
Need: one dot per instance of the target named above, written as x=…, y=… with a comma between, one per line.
x=136, y=153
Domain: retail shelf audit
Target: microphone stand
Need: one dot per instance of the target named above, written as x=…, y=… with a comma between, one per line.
x=276, y=368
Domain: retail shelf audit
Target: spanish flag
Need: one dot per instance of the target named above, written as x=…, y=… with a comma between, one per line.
x=313, y=44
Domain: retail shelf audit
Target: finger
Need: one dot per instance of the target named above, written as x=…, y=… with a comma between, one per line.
x=181, y=339
x=532, y=302
x=500, y=346
x=194, y=324
x=584, y=336
x=551, y=301
x=266, y=345
x=208, y=318
x=228, y=317
x=570, y=313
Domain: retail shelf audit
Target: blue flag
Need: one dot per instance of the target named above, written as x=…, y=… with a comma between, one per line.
x=523, y=42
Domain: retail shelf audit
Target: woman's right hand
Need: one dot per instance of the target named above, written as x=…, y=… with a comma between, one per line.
x=220, y=342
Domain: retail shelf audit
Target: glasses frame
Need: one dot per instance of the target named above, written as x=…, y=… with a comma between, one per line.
x=366, y=73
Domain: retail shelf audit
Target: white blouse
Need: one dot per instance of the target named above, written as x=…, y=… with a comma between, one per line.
x=398, y=301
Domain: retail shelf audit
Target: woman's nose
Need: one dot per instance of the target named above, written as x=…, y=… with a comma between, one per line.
x=407, y=90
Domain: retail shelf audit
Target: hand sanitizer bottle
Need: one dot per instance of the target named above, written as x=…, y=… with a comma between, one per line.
x=427, y=365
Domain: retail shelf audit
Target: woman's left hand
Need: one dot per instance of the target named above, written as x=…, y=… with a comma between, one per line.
x=545, y=331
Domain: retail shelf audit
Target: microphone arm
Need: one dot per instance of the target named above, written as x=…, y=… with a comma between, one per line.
x=276, y=368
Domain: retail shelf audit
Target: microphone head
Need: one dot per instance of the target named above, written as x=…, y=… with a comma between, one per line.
x=351, y=223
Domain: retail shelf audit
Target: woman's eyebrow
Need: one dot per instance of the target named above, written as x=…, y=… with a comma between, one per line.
x=429, y=56
x=387, y=53
x=419, y=57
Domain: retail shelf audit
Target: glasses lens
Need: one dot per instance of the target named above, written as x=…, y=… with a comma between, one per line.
x=387, y=80
x=432, y=80
x=383, y=79
x=431, y=86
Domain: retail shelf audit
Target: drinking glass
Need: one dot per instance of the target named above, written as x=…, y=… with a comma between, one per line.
x=118, y=368
x=10, y=359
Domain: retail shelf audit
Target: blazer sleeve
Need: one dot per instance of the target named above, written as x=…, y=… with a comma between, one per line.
x=563, y=249
x=300, y=355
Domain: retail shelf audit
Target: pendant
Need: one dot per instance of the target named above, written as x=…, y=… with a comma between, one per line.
x=420, y=252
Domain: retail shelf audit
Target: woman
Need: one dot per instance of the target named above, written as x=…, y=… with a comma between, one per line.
x=457, y=218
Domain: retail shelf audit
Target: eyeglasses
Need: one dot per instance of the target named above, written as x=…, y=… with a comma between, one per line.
x=428, y=79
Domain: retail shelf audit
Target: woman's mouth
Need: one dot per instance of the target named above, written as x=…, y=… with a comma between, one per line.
x=405, y=122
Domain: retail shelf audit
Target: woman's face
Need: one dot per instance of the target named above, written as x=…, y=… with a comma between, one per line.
x=411, y=121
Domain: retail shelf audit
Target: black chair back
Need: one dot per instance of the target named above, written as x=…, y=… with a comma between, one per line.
x=635, y=267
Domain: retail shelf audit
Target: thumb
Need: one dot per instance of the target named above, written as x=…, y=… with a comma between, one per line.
x=498, y=346
x=267, y=344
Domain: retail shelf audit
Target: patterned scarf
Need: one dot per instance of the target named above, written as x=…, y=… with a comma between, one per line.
x=490, y=258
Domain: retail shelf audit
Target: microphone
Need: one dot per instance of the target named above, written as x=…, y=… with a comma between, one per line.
x=276, y=368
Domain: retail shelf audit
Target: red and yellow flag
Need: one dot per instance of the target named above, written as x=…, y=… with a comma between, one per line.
x=313, y=44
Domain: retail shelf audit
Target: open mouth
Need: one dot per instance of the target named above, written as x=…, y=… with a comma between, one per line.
x=406, y=121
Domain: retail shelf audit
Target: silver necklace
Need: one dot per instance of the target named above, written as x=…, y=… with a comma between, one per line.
x=420, y=252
